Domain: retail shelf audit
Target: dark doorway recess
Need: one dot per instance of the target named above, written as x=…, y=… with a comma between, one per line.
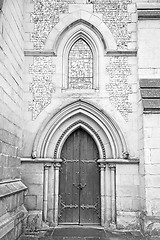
x=79, y=192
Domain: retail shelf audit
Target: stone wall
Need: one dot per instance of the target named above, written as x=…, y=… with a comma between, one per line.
x=149, y=75
x=32, y=175
x=128, y=196
x=12, y=210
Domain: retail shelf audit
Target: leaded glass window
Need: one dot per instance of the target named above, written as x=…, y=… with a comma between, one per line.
x=80, y=66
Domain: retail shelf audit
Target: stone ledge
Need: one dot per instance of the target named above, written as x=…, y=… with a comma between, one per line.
x=148, y=10
x=9, y=188
x=150, y=92
x=148, y=6
x=36, y=53
x=151, y=104
x=121, y=53
x=150, y=83
x=122, y=161
x=148, y=14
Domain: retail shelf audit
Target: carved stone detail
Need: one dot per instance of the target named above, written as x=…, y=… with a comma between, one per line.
x=42, y=85
x=118, y=86
x=70, y=127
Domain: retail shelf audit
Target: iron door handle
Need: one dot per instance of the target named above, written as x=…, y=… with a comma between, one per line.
x=79, y=186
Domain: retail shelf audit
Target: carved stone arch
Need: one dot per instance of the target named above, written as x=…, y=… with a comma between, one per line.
x=80, y=19
x=85, y=36
x=106, y=131
x=78, y=24
x=88, y=129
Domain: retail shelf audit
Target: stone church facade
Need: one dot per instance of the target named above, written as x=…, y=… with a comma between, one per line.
x=79, y=114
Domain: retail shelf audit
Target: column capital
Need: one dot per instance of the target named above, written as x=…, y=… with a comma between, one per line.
x=102, y=166
x=47, y=166
x=112, y=165
x=57, y=165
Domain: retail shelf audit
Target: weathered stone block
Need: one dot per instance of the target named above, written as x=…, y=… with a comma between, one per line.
x=153, y=181
x=127, y=220
x=128, y=191
x=152, y=193
x=153, y=169
x=35, y=189
x=32, y=179
x=127, y=169
x=126, y=180
x=155, y=155
x=31, y=202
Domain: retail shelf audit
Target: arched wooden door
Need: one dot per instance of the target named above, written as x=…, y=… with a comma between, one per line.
x=79, y=192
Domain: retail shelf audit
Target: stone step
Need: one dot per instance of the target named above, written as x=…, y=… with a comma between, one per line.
x=79, y=233
x=82, y=233
x=78, y=238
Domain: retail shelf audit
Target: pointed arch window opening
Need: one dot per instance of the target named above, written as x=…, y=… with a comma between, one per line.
x=80, y=66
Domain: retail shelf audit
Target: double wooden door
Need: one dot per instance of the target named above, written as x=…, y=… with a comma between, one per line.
x=79, y=191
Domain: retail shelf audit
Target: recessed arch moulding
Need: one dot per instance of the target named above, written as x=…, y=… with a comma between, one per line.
x=88, y=27
x=80, y=21
x=55, y=130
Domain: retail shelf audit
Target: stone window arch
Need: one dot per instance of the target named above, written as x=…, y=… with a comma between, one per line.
x=80, y=63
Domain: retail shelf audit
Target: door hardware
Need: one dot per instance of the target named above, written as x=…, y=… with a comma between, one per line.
x=79, y=186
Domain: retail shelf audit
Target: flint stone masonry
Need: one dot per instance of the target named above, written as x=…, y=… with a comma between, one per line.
x=118, y=87
x=116, y=15
x=45, y=17
x=42, y=85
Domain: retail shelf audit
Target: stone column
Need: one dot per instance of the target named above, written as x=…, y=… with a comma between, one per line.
x=57, y=166
x=102, y=176
x=112, y=167
x=51, y=195
x=45, y=195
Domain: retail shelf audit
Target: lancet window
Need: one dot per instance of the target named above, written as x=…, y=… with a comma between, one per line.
x=80, y=66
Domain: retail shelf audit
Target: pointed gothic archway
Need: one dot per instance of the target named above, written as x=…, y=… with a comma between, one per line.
x=50, y=143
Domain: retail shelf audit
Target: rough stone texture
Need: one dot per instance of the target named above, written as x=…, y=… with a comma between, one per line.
x=42, y=85
x=118, y=87
x=45, y=16
x=116, y=17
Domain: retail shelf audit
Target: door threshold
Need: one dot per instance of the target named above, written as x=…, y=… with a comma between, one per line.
x=80, y=226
